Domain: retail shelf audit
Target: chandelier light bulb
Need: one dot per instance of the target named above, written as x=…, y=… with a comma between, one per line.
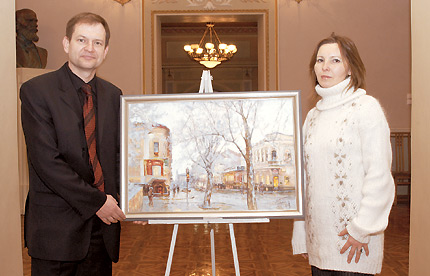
x=199, y=50
x=187, y=48
x=232, y=48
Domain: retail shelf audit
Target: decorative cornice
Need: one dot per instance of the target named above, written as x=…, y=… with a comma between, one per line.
x=219, y=30
x=255, y=1
x=209, y=4
x=122, y=2
x=164, y=1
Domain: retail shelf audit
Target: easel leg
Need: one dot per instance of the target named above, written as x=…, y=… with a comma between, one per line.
x=234, y=249
x=213, y=250
x=172, y=249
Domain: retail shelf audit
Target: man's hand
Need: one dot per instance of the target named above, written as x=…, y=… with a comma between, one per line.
x=356, y=247
x=110, y=211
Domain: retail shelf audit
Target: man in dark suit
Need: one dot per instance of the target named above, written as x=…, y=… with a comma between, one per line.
x=72, y=215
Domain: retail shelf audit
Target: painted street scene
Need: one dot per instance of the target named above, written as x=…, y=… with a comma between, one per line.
x=226, y=155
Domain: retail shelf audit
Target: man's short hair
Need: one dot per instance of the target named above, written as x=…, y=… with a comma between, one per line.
x=87, y=18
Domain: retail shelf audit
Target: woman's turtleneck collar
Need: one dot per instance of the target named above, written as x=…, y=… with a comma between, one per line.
x=336, y=95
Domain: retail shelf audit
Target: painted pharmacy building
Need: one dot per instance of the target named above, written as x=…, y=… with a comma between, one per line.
x=274, y=160
x=150, y=165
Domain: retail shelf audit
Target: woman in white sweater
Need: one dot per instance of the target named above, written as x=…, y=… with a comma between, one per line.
x=347, y=155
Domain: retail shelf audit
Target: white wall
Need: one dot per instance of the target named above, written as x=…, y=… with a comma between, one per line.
x=123, y=63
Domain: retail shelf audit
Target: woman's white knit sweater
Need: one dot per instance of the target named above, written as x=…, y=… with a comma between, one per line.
x=348, y=180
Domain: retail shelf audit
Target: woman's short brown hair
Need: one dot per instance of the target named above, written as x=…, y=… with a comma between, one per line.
x=87, y=18
x=349, y=52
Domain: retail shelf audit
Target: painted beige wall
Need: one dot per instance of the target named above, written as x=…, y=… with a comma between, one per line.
x=10, y=238
x=381, y=31
x=419, y=255
x=123, y=63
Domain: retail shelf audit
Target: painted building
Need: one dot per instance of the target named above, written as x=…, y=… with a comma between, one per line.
x=274, y=162
x=235, y=178
x=150, y=157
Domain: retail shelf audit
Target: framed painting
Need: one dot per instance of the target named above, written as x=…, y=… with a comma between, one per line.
x=211, y=155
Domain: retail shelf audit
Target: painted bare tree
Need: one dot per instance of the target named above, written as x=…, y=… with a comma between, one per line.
x=204, y=148
x=237, y=127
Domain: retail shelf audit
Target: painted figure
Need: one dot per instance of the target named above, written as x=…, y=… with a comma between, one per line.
x=151, y=197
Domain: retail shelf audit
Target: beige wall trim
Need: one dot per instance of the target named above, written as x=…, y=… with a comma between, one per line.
x=142, y=29
x=10, y=238
x=420, y=204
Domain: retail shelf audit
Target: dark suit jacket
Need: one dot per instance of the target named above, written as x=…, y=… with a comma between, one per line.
x=61, y=202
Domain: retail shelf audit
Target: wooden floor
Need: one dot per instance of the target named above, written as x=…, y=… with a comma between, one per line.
x=263, y=249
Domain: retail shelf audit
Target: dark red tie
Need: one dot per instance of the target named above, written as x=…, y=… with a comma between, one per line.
x=90, y=135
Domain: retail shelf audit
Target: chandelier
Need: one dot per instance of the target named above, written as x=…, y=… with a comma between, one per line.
x=210, y=51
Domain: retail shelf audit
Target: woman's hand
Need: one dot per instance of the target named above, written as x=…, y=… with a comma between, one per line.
x=305, y=255
x=356, y=247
